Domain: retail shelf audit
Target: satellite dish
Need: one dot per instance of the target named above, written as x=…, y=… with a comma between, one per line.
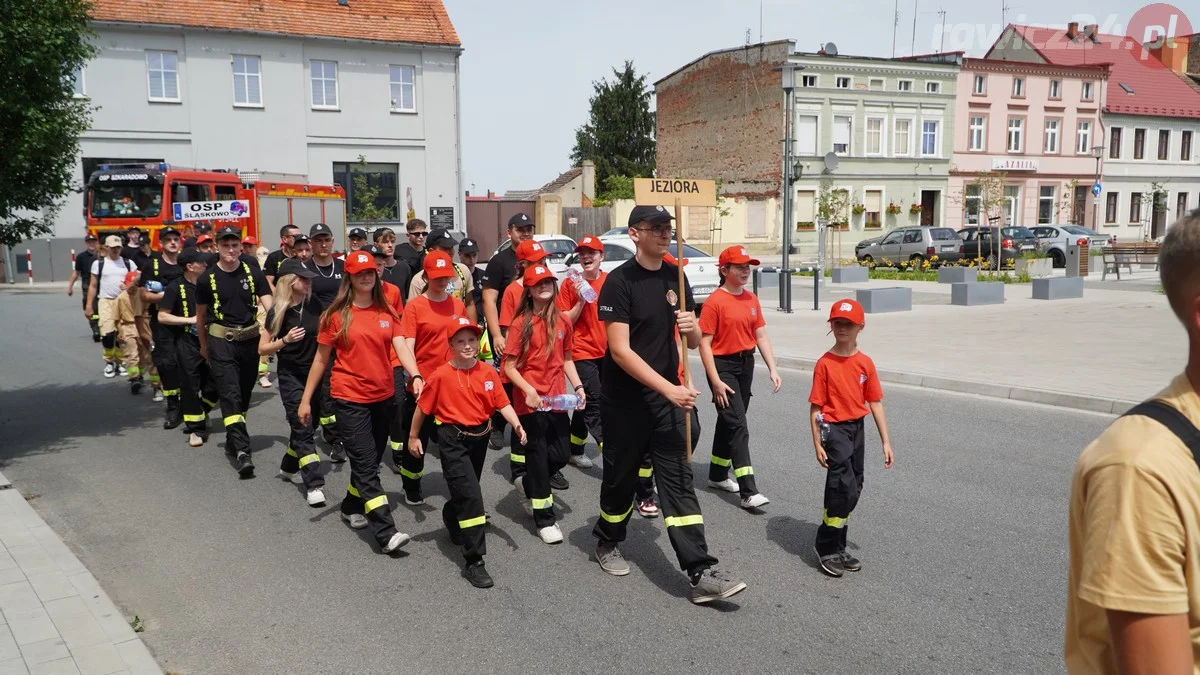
x=831, y=49
x=831, y=161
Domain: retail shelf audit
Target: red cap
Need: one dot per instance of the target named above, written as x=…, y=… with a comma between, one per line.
x=530, y=251
x=131, y=277
x=590, y=242
x=250, y=240
x=203, y=239
x=463, y=323
x=537, y=273
x=736, y=255
x=847, y=309
x=438, y=265
x=359, y=261
x=671, y=259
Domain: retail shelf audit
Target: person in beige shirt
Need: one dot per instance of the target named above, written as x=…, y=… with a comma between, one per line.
x=1133, y=589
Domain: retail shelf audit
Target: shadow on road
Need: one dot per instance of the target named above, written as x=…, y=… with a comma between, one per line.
x=794, y=537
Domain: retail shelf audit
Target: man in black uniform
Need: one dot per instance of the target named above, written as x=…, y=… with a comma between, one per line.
x=287, y=242
x=357, y=238
x=198, y=229
x=501, y=270
x=137, y=247
x=157, y=273
x=643, y=402
x=468, y=253
x=227, y=299
x=329, y=271
x=177, y=319
x=413, y=253
x=83, y=272
x=394, y=271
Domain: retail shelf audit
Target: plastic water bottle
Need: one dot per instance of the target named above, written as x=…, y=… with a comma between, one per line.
x=585, y=289
x=560, y=402
x=824, y=427
x=154, y=286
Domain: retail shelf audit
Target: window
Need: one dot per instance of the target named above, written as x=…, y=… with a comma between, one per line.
x=806, y=135
x=404, y=88
x=875, y=135
x=873, y=202
x=1056, y=89
x=324, y=84
x=1046, y=204
x=876, y=84
x=902, y=138
x=1114, y=143
x=808, y=81
x=77, y=84
x=1016, y=134
x=1018, y=87
x=806, y=208
x=162, y=71
x=976, y=133
x=383, y=177
x=1139, y=143
x=1088, y=91
x=756, y=219
x=904, y=85
x=912, y=236
x=1135, y=207
x=1110, y=207
x=1083, y=138
x=841, y=82
x=1051, y=145
x=929, y=138
x=247, y=80
x=1185, y=146
x=980, y=86
x=933, y=87
x=972, y=199
x=893, y=237
x=841, y=134
x=225, y=193
x=1181, y=205
x=1164, y=144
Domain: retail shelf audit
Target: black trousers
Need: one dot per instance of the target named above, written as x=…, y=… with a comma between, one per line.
x=731, y=436
x=301, y=454
x=633, y=430
x=235, y=368
x=545, y=453
x=93, y=319
x=327, y=416
x=396, y=433
x=364, y=431
x=588, y=420
x=462, y=465
x=516, y=451
x=197, y=388
x=845, y=450
x=412, y=469
x=166, y=361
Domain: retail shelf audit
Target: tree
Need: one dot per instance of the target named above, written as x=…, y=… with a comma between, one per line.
x=983, y=197
x=619, y=134
x=615, y=187
x=366, y=208
x=42, y=44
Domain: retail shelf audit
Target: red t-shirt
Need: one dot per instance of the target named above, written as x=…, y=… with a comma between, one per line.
x=731, y=320
x=591, y=341
x=543, y=371
x=464, y=397
x=362, y=372
x=428, y=323
x=509, y=302
x=395, y=300
x=844, y=385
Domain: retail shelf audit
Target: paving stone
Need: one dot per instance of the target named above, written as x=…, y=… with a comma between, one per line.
x=13, y=667
x=57, y=551
x=137, y=657
x=11, y=575
x=81, y=630
x=6, y=561
x=29, y=626
x=52, y=586
x=21, y=508
x=101, y=659
x=17, y=597
x=32, y=559
x=8, y=646
x=60, y=667
x=45, y=651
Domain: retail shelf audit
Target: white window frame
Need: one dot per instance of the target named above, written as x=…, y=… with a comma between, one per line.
x=933, y=87
x=312, y=79
x=901, y=84
x=907, y=150
x=79, y=82
x=246, y=76
x=1116, y=209
x=163, y=71
x=1083, y=137
x=1018, y=87
x=1057, y=136
x=849, y=152
x=1053, y=199
x=393, y=70
x=882, y=119
x=1055, y=84
x=1008, y=136
x=976, y=133
x=937, y=137
x=804, y=79
x=979, y=86
x=1088, y=91
x=816, y=138
x=849, y=81
x=1190, y=145
x=1120, y=133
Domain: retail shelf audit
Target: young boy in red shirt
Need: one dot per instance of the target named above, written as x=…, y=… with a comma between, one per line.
x=845, y=387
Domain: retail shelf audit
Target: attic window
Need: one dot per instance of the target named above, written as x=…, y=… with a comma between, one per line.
x=1128, y=89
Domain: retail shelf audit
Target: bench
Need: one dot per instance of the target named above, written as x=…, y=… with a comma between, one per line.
x=1127, y=255
x=879, y=300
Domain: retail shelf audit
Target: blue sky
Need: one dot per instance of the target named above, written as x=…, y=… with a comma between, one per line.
x=528, y=65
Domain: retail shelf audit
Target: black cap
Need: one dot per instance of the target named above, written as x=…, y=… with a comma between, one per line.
x=167, y=231
x=192, y=255
x=652, y=214
x=468, y=245
x=374, y=250
x=300, y=237
x=293, y=266
x=440, y=238
x=90, y=237
x=319, y=228
x=358, y=233
x=229, y=232
x=202, y=228
x=381, y=232
x=134, y=228
x=520, y=220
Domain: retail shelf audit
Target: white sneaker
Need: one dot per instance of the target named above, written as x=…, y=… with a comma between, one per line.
x=399, y=539
x=158, y=396
x=551, y=535
x=122, y=371
x=519, y=486
x=294, y=478
x=728, y=485
x=581, y=461
x=754, y=501
x=195, y=440
x=316, y=497
x=357, y=521
x=265, y=381
x=110, y=370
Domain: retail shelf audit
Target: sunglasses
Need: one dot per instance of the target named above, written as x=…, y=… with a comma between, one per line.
x=418, y=234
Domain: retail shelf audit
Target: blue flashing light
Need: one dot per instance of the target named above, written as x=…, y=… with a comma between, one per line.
x=162, y=166
x=106, y=167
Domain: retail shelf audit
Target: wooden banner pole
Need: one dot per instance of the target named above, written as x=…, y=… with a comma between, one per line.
x=683, y=345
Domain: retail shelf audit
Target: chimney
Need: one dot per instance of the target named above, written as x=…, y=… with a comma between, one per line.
x=1092, y=32
x=1072, y=30
x=491, y=195
x=589, y=179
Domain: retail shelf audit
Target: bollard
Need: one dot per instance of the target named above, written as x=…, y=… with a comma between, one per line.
x=29, y=264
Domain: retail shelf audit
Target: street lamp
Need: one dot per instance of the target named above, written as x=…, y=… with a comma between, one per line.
x=1097, y=152
x=791, y=170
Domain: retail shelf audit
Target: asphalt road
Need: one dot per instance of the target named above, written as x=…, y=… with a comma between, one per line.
x=963, y=542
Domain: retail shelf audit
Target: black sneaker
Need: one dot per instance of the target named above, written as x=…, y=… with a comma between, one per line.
x=135, y=385
x=850, y=563
x=831, y=564
x=453, y=529
x=327, y=435
x=245, y=466
x=559, y=482
x=497, y=441
x=477, y=574
x=337, y=452
x=174, y=418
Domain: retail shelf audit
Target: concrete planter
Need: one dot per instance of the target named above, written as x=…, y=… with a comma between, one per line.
x=851, y=275
x=879, y=300
x=977, y=293
x=956, y=275
x=1058, y=288
x=1035, y=267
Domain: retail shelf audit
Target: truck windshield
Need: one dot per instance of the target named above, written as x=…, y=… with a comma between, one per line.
x=125, y=200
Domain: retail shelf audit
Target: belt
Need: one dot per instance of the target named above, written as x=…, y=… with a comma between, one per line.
x=476, y=431
x=233, y=334
x=749, y=353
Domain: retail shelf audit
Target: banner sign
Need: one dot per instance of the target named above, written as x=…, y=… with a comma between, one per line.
x=237, y=208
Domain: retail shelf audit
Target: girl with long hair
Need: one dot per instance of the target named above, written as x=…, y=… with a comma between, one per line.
x=291, y=333
x=537, y=355
x=365, y=330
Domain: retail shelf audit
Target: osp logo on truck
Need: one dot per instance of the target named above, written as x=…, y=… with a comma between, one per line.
x=237, y=208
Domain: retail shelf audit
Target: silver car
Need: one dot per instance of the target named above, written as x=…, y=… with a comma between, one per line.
x=914, y=245
x=1055, y=239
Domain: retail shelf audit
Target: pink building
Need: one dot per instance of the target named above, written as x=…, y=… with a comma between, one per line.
x=1038, y=128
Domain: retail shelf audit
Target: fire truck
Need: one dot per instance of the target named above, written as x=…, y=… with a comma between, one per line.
x=150, y=196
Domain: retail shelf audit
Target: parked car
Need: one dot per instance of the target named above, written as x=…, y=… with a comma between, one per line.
x=558, y=246
x=912, y=244
x=978, y=242
x=701, y=269
x=1055, y=239
x=615, y=231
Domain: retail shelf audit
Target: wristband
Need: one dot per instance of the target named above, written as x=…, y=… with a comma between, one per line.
x=578, y=387
x=417, y=377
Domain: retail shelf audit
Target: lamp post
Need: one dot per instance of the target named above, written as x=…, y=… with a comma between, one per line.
x=1097, y=152
x=790, y=173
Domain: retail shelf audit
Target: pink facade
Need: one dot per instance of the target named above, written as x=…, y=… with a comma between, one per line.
x=1034, y=125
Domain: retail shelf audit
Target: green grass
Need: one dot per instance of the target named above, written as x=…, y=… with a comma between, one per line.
x=893, y=274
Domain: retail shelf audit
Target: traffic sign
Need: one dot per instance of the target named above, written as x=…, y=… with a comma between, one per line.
x=1096, y=190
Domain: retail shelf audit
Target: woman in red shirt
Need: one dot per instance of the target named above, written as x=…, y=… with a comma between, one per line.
x=731, y=326
x=537, y=354
x=365, y=330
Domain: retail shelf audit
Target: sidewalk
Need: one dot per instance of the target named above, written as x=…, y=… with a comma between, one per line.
x=54, y=617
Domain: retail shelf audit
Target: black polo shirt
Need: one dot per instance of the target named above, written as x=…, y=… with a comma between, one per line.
x=411, y=257
x=329, y=278
x=179, y=299
x=645, y=300
x=232, y=297
x=158, y=269
x=401, y=275
x=136, y=255
x=298, y=356
x=83, y=265
x=477, y=277
x=271, y=266
x=501, y=270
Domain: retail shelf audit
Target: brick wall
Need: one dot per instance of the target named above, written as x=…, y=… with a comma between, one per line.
x=722, y=117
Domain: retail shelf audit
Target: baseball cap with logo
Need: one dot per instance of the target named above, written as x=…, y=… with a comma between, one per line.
x=520, y=220
x=441, y=238
x=536, y=274
x=847, y=309
x=438, y=265
x=167, y=231
x=650, y=214
x=203, y=239
x=90, y=237
x=358, y=233
x=293, y=266
x=250, y=240
x=131, y=277
x=468, y=245
x=736, y=255
x=590, y=242
x=530, y=251
x=192, y=255
x=113, y=241
x=299, y=239
x=359, y=261
x=463, y=323
x=229, y=232
x=319, y=229
x=202, y=227
x=374, y=250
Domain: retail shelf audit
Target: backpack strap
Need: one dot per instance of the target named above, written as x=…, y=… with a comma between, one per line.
x=1173, y=420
